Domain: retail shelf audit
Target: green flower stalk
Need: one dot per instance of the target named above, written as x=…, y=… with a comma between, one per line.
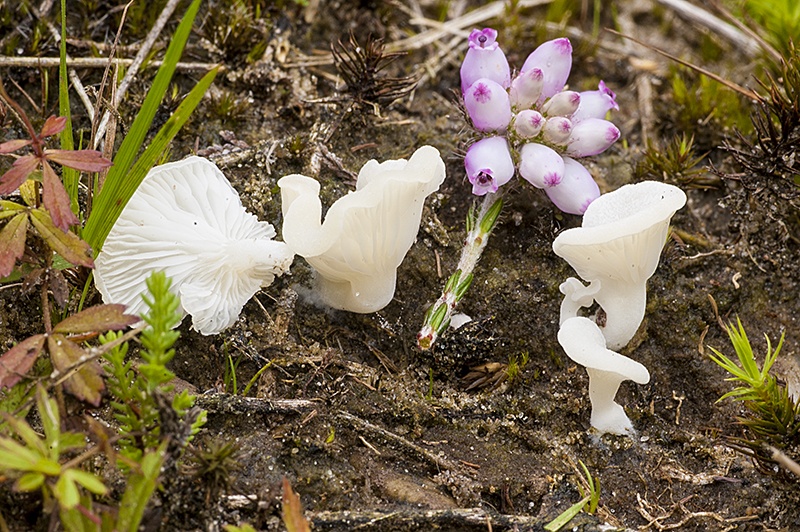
x=479, y=227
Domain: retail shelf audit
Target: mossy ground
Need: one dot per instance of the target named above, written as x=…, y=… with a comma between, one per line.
x=378, y=426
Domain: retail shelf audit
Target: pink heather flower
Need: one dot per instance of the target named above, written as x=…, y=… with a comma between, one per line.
x=562, y=104
x=541, y=166
x=488, y=105
x=528, y=123
x=595, y=104
x=554, y=59
x=576, y=190
x=484, y=59
x=526, y=89
x=591, y=136
x=489, y=165
x=557, y=130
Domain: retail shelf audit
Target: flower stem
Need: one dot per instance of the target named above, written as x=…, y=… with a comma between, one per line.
x=479, y=227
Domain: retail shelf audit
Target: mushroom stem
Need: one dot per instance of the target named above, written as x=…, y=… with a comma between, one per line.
x=607, y=414
x=624, y=305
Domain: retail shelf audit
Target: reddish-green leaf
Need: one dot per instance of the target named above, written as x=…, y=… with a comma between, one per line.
x=293, y=518
x=20, y=170
x=14, y=145
x=86, y=384
x=19, y=359
x=68, y=245
x=99, y=318
x=56, y=199
x=12, y=242
x=53, y=126
x=83, y=160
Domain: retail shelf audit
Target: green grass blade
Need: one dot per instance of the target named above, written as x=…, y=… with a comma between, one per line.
x=119, y=184
x=70, y=175
x=556, y=524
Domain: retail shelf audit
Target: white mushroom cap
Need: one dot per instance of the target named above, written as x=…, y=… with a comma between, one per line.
x=584, y=343
x=367, y=233
x=622, y=232
x=617, y=249
x=187, y=220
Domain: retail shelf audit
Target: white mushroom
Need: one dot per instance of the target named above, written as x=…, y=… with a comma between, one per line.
x=187, y=220
x=366, y=234
x=617, y=249
x=584, y=343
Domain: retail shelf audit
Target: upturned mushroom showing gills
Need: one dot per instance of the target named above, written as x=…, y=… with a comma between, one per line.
x=187, y=220
x=584, y=343
x=616, y=250
x=366, y=234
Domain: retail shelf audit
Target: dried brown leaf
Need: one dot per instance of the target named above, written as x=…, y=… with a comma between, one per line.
x=66, y=244
x=98, y=318
x=86, y=383
x=19, y=359
x=12, y=242
x=33, y=278
x=292, y=510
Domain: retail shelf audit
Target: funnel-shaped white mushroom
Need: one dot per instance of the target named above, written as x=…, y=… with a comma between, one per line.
x=617, y=250
x=584, y=343
x=366, y=234
x=187, y=220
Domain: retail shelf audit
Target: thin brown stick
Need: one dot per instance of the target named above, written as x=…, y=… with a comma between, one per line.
x=92, y=62
x=731, y=85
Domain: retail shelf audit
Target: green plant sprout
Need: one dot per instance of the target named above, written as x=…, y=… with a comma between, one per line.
x=676, y=163
x=136, y=396
x=590, y=491
x=230, y=381
x=774, y=415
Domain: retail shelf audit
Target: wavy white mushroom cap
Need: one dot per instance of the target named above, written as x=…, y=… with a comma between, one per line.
x=187, y=220
x=367, y=233
x=622, y=233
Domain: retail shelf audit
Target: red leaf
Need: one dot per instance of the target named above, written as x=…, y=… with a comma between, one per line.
x=83, y=160
x=22, y=168
x=86, y=384
x=14, y=145
x=12, y=243
x=99, y=318
x=53, y=126
x=68, y=245
x=56, y=199
x=292, y=512
x=19, y=359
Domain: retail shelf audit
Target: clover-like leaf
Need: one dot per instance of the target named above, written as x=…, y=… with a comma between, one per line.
x=53, y=126
x=9, y=208
x=14, y=145
x=292, y=511
x=19, y=359
x=99, y=318
x=12, y=242
x=86, y=383
x=66, y=244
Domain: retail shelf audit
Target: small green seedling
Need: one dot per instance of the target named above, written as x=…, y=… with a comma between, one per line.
x=590, y=490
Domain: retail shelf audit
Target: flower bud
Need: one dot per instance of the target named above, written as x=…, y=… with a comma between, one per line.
x=554, y=59
x=562, y=104
x=489, y=165
x=576, y=190
x=595, y=104
x=488, y=105
x=528, y=123
x=541, y=166
x=484, y=59
x=557, y=130
x=526, y=89
x=591, y=136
